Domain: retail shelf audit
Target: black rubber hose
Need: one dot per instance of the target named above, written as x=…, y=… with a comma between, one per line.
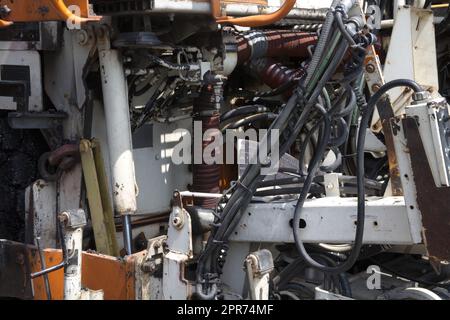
x=343, y=131
x=277, y=91
x=336, y=164
x=350, y=106
x=243, y=111
x=323, y=40
x=340, y=24
x=250, y=119
x=354, y=254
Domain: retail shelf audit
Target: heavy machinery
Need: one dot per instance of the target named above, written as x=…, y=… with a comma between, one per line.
x=224, y=149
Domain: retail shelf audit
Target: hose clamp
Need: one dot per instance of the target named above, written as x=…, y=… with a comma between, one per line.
x=258, y=44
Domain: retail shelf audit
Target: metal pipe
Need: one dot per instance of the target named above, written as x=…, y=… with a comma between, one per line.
x=232, y=9
x=261, y=20
x=48, y=270
x=117, y=116
x=72, y=271
x=127, y=234
x=118, y=126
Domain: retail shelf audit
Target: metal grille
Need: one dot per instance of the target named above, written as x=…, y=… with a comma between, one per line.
x=121, y=7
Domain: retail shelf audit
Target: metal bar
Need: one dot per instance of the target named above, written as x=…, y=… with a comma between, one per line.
x=328, y=220
x=108, y=211
x=127, y=234
x=94, y=199
x=48, y=270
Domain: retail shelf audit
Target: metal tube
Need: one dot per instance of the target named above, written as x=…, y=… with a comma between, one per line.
x=117, y=116
x=127, y=234
x=51, y=269
x=314, y=12
x=72, y=271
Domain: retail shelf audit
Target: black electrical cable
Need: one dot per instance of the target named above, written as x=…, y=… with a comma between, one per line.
x=354, y=254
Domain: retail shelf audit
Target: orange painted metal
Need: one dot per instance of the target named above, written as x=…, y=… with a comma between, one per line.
x=115, y=276
x=253, y=21
x=45, y=10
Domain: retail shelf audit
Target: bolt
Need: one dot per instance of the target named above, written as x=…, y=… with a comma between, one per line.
x=177, y=222
x=4, y=11
x=330, y=186
x=64, y=217
x=376, y=87
x=82, y=37
x=370, y=68
x=149, y=266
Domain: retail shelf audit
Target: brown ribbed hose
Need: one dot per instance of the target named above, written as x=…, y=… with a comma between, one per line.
x=284, y=43
x=255, y=21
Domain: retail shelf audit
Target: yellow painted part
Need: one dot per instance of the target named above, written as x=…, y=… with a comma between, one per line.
x=103, y=239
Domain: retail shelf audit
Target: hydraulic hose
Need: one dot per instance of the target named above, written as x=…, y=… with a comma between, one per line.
x=321, y=45
x=354, y=254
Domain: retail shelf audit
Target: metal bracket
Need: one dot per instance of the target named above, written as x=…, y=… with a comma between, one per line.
x=36, y=120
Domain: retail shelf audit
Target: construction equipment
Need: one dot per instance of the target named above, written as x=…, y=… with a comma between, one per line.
x=215, y=149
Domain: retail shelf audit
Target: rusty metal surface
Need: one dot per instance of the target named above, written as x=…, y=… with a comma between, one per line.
x=387, y=114
x=433, y=202
x=15, y=280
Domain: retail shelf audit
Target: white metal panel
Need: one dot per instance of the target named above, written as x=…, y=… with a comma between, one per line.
x=40, y=202
x=31, y=59
x=411, y=55
x=328, y=220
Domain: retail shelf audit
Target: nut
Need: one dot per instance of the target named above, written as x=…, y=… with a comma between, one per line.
x=421, y=96
x=370, y=68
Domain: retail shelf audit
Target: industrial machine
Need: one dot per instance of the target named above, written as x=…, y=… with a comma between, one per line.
x=224, y=149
